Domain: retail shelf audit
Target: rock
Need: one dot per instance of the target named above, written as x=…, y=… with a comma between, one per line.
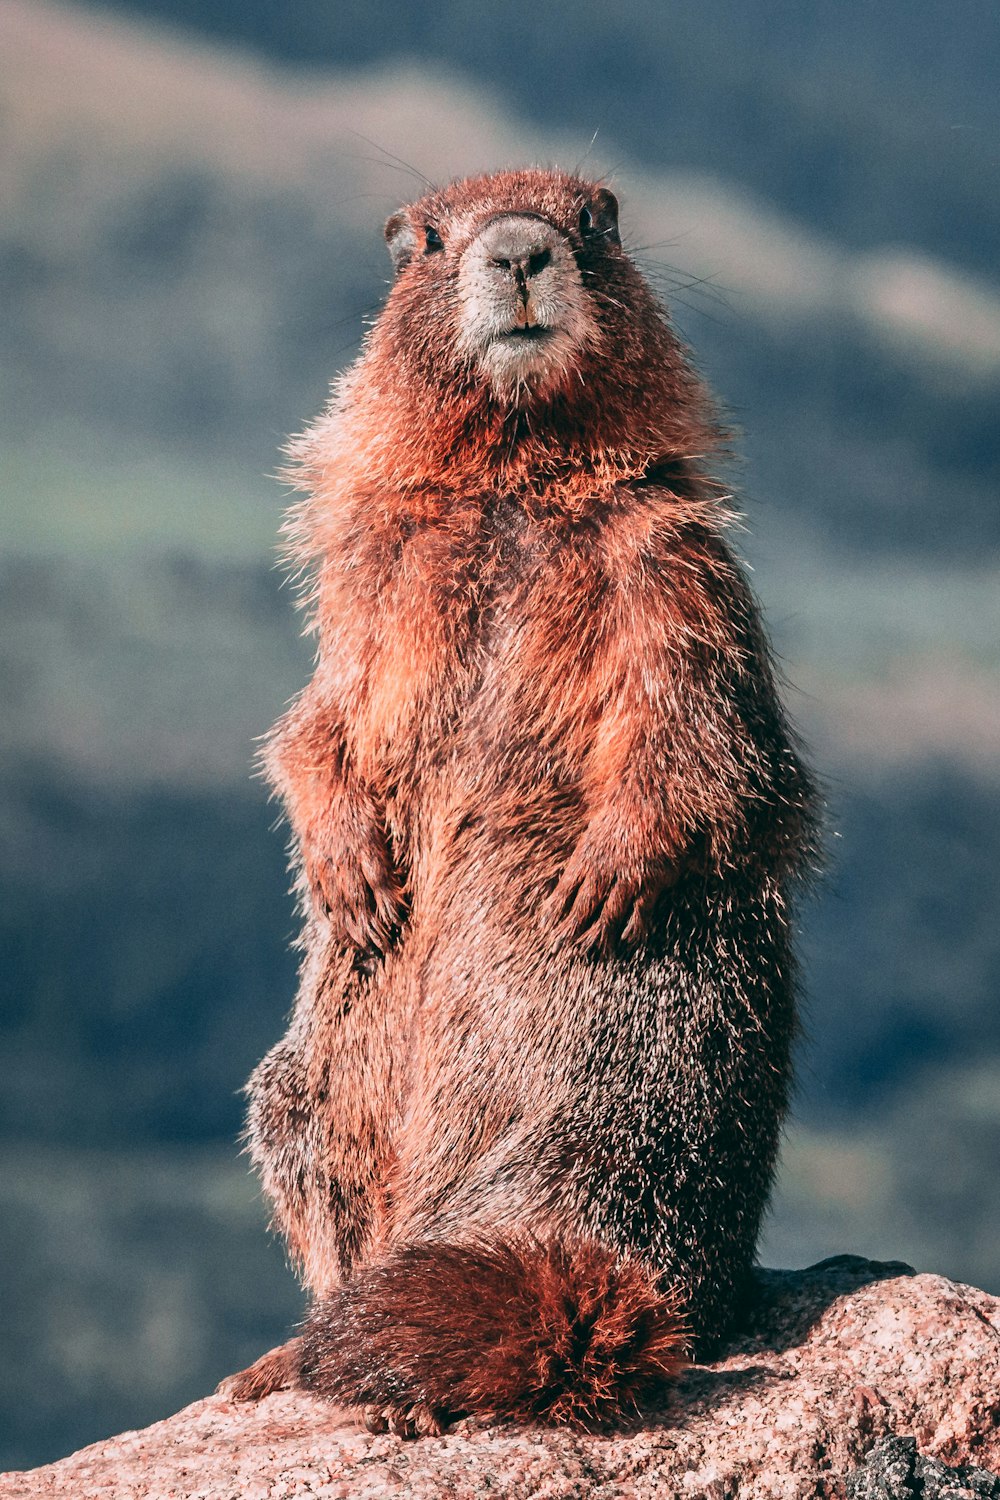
x=835, y=1361
x=894, y=1470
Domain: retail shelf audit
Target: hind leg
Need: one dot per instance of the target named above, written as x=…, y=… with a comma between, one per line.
x=320, y=1102
x=280, y=1370
x=285, y=1146
x=277, y=1370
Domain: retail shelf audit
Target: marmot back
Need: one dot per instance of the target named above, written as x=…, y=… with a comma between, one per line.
x=547, y=812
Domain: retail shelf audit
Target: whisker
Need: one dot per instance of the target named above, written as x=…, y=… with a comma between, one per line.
x=709, y=283
x=583, y=158
x=700, y=312
x=391, y=157
x=679, y=281
x=296, y=325
x=661, y=244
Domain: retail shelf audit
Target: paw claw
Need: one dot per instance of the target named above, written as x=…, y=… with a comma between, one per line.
x=406, y=1420
x=375, y=1419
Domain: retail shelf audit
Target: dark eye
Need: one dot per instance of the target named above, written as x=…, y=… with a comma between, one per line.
x=586, y=220
x=432, y=240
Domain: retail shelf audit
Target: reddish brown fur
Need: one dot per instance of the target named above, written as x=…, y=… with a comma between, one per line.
x=561, y=1332
x=546, y=808
x=277, y=1370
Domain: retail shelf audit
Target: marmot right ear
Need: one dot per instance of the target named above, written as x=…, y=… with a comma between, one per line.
x=604, y=207
x=401, y=240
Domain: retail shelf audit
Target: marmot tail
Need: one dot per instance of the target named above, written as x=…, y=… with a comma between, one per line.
x=561, y=1332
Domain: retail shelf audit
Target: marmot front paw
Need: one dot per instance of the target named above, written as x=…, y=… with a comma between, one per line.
x=598, y=907
x=356, y=888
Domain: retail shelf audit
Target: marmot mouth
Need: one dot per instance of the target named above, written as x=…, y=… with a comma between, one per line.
x=535, y=332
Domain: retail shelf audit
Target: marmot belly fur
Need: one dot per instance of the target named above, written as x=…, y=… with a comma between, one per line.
x=547, y=814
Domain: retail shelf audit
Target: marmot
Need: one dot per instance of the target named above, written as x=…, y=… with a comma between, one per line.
x=548, y=812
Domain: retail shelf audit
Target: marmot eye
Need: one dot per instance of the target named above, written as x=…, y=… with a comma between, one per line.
x=586, y=220
x=432, y=240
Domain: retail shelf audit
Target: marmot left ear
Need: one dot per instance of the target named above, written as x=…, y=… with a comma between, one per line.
x=401, y=240
x=604, y=207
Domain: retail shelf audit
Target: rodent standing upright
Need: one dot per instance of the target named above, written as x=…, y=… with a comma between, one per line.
x=548, y=813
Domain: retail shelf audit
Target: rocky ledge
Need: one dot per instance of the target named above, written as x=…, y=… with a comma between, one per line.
x=855, y=1379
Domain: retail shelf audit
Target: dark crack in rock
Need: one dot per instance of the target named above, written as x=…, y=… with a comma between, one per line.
x=894, y=1470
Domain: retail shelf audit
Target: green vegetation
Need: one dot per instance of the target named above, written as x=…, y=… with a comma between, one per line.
x=80, y=500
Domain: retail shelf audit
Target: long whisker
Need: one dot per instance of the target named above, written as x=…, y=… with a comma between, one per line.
x=390, y=156
x=680, y=281
x=583, y=158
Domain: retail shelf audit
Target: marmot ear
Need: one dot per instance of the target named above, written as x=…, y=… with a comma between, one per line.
x=604, y=207
x=401, y=240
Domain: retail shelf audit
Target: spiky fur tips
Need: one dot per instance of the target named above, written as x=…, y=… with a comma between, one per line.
x=563, y=1333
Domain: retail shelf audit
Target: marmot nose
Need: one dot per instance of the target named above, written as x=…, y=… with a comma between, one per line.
x=519, y=246
x=524, y=265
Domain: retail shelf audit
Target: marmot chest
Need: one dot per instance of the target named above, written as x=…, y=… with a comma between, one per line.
x=460, y=639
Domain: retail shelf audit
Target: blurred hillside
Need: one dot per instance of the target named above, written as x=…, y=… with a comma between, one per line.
x=190, y=244
x=817, y=109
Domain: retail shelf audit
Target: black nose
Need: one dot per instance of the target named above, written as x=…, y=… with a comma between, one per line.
x=524, y=266
x=519, y=245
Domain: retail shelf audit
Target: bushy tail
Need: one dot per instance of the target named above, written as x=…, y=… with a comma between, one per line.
x=563, y=1332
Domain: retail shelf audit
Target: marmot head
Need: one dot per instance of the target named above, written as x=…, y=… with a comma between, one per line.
x=514, y=267
x=519, y=346
x=517, y=284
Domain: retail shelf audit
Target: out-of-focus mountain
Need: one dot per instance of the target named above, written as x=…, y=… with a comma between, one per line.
x=190, y=243
x=872, y=123
x=189, y=246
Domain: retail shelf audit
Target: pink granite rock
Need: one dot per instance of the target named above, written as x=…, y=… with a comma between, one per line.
x=837, y=1358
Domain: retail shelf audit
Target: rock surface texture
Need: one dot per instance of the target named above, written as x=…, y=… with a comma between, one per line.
x=837, y=1360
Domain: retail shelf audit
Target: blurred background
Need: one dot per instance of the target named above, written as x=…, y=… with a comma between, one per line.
x=193, y=193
